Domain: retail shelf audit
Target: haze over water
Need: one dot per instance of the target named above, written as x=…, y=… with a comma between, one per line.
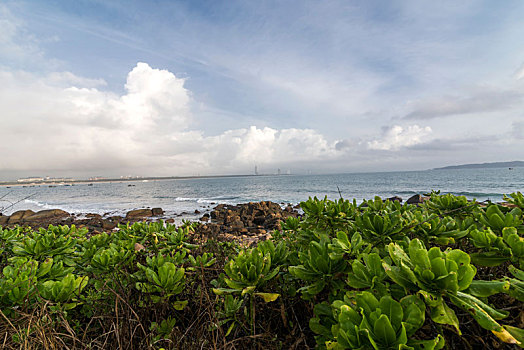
x=177, y=196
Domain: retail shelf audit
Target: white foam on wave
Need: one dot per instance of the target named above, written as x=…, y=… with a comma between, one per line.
x=185, y=199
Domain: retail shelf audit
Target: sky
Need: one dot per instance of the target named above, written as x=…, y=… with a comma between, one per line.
x=180, y=88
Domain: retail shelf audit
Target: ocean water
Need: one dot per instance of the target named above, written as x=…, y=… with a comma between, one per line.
x=187, y=195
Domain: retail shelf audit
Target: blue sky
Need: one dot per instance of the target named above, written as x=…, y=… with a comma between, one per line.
x=215, y=87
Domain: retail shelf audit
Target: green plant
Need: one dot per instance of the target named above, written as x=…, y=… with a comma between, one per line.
x=19, y=281
x=367, y=275
x=448, y=204
x=201, y=261
x=380, y=324
x=433, y=228
x=56, y=241
x=381, y=228
x=328, y=216
x=437, y=275
x=516, y=244
x=161, y=279
x=494, y=218
x=497, y=249
x=163, y=329
x=229, y=312
x=319, y=268
x=343, y=245
x=247, y=272
x=106, y=260
x=515, y=198
x=64, y=291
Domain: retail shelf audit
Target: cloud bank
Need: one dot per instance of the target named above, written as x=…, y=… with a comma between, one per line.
x=57, y=123
x=62, y=122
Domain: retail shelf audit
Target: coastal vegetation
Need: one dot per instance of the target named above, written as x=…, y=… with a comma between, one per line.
x=444, y=274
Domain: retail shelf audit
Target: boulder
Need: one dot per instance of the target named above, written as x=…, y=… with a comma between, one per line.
x=45, y=217
x=108, y=224
x=17, y=216
x=157, y=211
x=139, y=213
x=395, y=199
x=4, y=219
x=417, y=199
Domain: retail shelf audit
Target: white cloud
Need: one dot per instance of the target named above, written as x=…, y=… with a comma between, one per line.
x=62, y=122
x=397, y=137
x=479, y=101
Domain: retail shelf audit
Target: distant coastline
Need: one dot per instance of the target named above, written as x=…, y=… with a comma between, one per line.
x=133, y=179
x=513, y=164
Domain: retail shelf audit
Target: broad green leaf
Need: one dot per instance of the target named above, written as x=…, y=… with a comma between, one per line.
x=383, y=331
x=485, y=289
x=441, y=313
x=489, y=259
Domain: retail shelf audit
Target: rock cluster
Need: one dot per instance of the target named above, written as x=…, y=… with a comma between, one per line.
x=249, y=222
x=94, y=222
x=251, y=216
x=30, y=218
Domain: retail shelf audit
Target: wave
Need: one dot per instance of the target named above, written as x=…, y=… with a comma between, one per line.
x=456, y=193
x=478, y=194
x=37, y=203
x=207, y=200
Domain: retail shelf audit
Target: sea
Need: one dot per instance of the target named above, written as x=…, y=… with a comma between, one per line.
x=182, y=197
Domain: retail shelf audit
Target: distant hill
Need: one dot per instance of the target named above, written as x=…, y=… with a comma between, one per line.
x=513, y=164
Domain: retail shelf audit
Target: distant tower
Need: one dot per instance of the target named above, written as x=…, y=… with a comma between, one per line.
x=256, y=170
x=279, y=172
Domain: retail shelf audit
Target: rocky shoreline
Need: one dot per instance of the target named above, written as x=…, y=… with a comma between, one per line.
x=246, y=223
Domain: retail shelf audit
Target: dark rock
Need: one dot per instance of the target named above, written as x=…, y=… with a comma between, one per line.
x=68, y=221
x=17, y=216
x=395, y=199
x=204, y=218
x=157, y=211
x=417, y=199
x=170, y=221
x=197, y=211
x=50, y=216
x=139, y=213
x=108, y=224
x=4, y=220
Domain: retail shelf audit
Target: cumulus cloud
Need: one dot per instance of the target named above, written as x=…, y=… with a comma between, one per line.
x=64, y=122
x=397, y=137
